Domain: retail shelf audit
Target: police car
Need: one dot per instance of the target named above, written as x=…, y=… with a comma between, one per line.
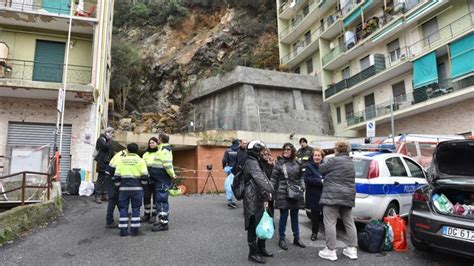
x=385, y=182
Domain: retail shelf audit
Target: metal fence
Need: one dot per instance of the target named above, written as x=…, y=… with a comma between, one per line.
x=81, y=8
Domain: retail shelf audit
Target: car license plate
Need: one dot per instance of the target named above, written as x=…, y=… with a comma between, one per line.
x=458, y=233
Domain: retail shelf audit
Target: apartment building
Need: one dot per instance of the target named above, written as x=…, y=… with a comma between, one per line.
x=412, y=60
x=34, y=50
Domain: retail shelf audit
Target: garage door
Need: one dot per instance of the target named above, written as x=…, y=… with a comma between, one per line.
x=36, y=134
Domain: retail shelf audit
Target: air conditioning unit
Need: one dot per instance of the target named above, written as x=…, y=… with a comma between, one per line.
x=332, y=45
x=403, y=56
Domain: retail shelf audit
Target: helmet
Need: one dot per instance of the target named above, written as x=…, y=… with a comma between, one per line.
x=255, y=147
x=176, y=191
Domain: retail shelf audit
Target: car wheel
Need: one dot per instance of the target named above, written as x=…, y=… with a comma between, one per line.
x=419, y=245
x=392, y=210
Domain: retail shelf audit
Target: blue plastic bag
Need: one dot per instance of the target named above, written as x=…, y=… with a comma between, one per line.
x=265, y=228
x=228, y=187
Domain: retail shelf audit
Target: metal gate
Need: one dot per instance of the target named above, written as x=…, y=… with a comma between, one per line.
x=36, y=134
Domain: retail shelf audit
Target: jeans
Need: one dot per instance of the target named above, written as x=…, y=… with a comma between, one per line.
x=113, y=193
x=228, y=188
x=162, y=205
x=125, y=198
x=100, y=184
x=330, y=219
x=294, y=222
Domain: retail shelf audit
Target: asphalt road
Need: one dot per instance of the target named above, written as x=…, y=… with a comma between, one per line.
x=202, y=231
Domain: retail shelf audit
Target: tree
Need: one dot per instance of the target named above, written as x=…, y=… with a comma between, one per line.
x=126, y=72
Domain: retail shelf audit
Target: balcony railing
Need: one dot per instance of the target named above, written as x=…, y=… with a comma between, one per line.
x=357, y=78
x=407, y=100
x=297, y=20
x=40, y=71
x=443, y=35
x=81, y=8
x=302, y=45
x=373, y=24
x=286, y=4
x=330, y=20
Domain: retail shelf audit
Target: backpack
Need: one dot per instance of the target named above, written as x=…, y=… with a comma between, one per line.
x=238, y=186
x=372, y=237
x=73, y=181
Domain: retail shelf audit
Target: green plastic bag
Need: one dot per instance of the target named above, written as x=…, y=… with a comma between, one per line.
x=387, y=245
x=265, y=228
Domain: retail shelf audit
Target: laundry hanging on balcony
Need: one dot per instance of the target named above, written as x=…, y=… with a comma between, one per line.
x=356, y=12
x=425, y=71
x=462, y=57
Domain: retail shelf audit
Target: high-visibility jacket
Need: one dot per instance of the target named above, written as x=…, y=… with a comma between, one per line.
x=113, y=162
x=165, y=165
x=153, y=163
x=131, y=172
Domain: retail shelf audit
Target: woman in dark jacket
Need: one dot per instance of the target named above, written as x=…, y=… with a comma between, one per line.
x=267, y=163
x=258, y=192
x=314, y=187
x=338, y=199
x=280, y=181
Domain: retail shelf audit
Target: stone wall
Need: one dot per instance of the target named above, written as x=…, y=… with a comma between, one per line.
x=452, y=119
x=80, y=115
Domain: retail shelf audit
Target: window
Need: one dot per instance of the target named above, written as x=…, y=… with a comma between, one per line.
x=394, y=50
x=305, y=10
x=346, y=73
x=364, y=63
x=430, y=32
x=411, y=149
x=296, y=70
x=307, y=38
x=395, y=167
x=369, y=101
x=338, y=115
x=415, y=170
x=442, y=76
x=399, y=94
x=309, y=66
x=349, y=110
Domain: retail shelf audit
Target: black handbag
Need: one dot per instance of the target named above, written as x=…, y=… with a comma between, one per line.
x=294, y=192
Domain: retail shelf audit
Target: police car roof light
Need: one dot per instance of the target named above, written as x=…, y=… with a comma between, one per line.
x=373, y=147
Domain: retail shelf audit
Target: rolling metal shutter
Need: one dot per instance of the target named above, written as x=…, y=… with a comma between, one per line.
x=49, y=61
x=36, y=134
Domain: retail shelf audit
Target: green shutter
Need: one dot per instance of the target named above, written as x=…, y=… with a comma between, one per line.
x=462, y=57
x=425, y=71
x=49, y=61
x=60, y=7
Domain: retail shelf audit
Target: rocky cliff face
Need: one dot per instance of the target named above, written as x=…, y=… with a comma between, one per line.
x=206, y=41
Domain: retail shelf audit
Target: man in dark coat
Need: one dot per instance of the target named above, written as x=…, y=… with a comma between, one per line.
x=105, y=152
x=258, y=192
x=230, y=157
x=241, y=157
x=338, y=199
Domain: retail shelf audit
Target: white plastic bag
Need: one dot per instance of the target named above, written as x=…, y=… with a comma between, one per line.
x=86, y=188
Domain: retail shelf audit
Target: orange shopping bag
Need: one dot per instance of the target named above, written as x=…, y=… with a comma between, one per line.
x=399, y=232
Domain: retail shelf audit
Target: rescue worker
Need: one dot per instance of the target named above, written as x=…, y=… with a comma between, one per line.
x=166, y=176
x=151, y=159
x=304, y=154
x=130, y=174
x=112, y=190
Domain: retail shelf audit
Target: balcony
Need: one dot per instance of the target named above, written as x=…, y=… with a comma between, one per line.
x=423, y=99
x=353, y=42
x=377, y=67
x=29, y=75
x=302, y=50
x=301, y=23
x=50, y=14
x=332, y=26
x=396, y=63
x=287, y=8
x=443, y=36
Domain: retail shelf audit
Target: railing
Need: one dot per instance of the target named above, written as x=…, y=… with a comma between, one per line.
x=81, y=8
x=349, y=6
x=301, y=47
x=443, y=35
x=297, y=20
x=287, y=4
x=352, y=41
x=330, y=20
x=404, y=101
x=40, y=71
x=5, y=189
x=353, y=80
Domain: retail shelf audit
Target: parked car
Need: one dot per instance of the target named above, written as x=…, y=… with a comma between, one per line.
x=385, y=182
x=441, y=216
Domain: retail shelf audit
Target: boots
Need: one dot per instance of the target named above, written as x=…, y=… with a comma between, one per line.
x=253, y=253
x=145, y=218
x=262, y=251
x=97, y=199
